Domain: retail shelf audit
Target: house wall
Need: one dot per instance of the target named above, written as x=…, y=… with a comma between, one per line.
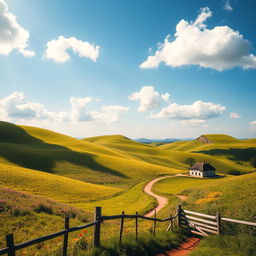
x=197, y=173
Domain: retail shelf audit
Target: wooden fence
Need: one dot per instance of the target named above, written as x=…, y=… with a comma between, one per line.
x=11, y=247
x=203, y=226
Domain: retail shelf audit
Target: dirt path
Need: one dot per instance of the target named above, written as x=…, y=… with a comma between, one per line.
x=184, y=249
x=161, y=201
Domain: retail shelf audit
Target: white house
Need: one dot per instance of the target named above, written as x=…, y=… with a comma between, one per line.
x=202, y=170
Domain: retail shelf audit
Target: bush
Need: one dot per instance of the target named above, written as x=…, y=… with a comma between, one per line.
x=253, y=162
x=234, y=172
x=190, y=161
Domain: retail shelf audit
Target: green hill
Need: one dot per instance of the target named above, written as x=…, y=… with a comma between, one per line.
x=223, y=150
x=230, y=195
x=29, y=216
x=51, y=152
x=52, y=186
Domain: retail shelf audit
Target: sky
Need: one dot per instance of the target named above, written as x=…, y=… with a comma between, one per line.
x=154, y=69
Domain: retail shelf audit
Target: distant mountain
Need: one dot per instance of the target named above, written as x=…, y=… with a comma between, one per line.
x=162, y=141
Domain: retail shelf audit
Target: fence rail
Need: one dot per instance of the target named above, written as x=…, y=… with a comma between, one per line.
x=98, y=219
x=202, y=224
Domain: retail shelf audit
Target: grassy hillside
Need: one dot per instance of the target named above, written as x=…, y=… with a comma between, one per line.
x=131, y=201
x=222, y=150
x=52, y=186
x=29, y=216
x=40, y=149
x=231, y=196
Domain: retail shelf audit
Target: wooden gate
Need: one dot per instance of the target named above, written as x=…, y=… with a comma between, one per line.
x=199, y=223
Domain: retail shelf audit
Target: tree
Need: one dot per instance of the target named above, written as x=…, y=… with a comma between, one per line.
x=190, y=161
x=253, y=162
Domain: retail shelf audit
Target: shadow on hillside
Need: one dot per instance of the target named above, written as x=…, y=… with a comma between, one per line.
x=235, y=154
x=19, y=147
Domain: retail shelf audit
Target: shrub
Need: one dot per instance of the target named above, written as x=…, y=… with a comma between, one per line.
x=43, y=208
x=234, y=172
x=253, y=162
x=190, y=161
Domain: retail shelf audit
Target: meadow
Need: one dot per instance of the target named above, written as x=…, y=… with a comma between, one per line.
x=45, y=176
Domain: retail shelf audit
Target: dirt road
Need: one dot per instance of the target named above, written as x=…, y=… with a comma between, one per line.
x=162, y=201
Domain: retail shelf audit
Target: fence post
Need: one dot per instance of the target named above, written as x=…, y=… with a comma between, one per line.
x=179, y=215
x=121, y=228
x=154, y=225
x=65, y=240
x=218, y=219
x=97, y=217
x=136, y=226
x=10, y=244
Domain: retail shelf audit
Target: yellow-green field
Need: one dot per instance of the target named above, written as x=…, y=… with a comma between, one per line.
x=52, y=186
x=231, y=196
x=130, y=201
x=110, y=171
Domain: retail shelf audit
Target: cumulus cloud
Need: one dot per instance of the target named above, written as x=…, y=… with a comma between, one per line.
x=109, y=114
x=79, y=110
x=227, y=6
x=218, y=48
x=57, y=49
x=253, y=125
x=199, y=110
x=16, y=107
x=234, y=115
x=12, y=34
x=149, y=98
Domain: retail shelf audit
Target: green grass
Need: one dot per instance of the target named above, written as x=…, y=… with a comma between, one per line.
x=52, y=186
x=231, y=196
x=175, y=185
x=29, y=216
x=131, y=201
x=240, y=245
x=44, y=150
x=110, y=171
x=146, y=245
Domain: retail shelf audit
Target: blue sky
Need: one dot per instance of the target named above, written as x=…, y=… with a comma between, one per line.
x=88, y=68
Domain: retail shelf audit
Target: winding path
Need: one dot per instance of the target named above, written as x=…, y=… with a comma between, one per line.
x=186, y=247
x=161, y=201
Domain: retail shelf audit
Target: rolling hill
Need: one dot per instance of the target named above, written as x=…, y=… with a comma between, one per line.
x=47, y=151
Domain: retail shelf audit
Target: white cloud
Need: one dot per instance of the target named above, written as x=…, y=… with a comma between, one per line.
x=253, y=125
x=149, y=98
x=16, y=106
x=109, y=114
x=12, y=35
x=79, y=110
x=234, y=115
x=57, y=49
x=227, y=6
x=193, y=123
x=199, y=110
x=165, y=96
x=218, y=48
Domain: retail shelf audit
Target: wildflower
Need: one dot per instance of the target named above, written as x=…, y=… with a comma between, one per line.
x=23, y=253
x=80, y=234
x=84, y=231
